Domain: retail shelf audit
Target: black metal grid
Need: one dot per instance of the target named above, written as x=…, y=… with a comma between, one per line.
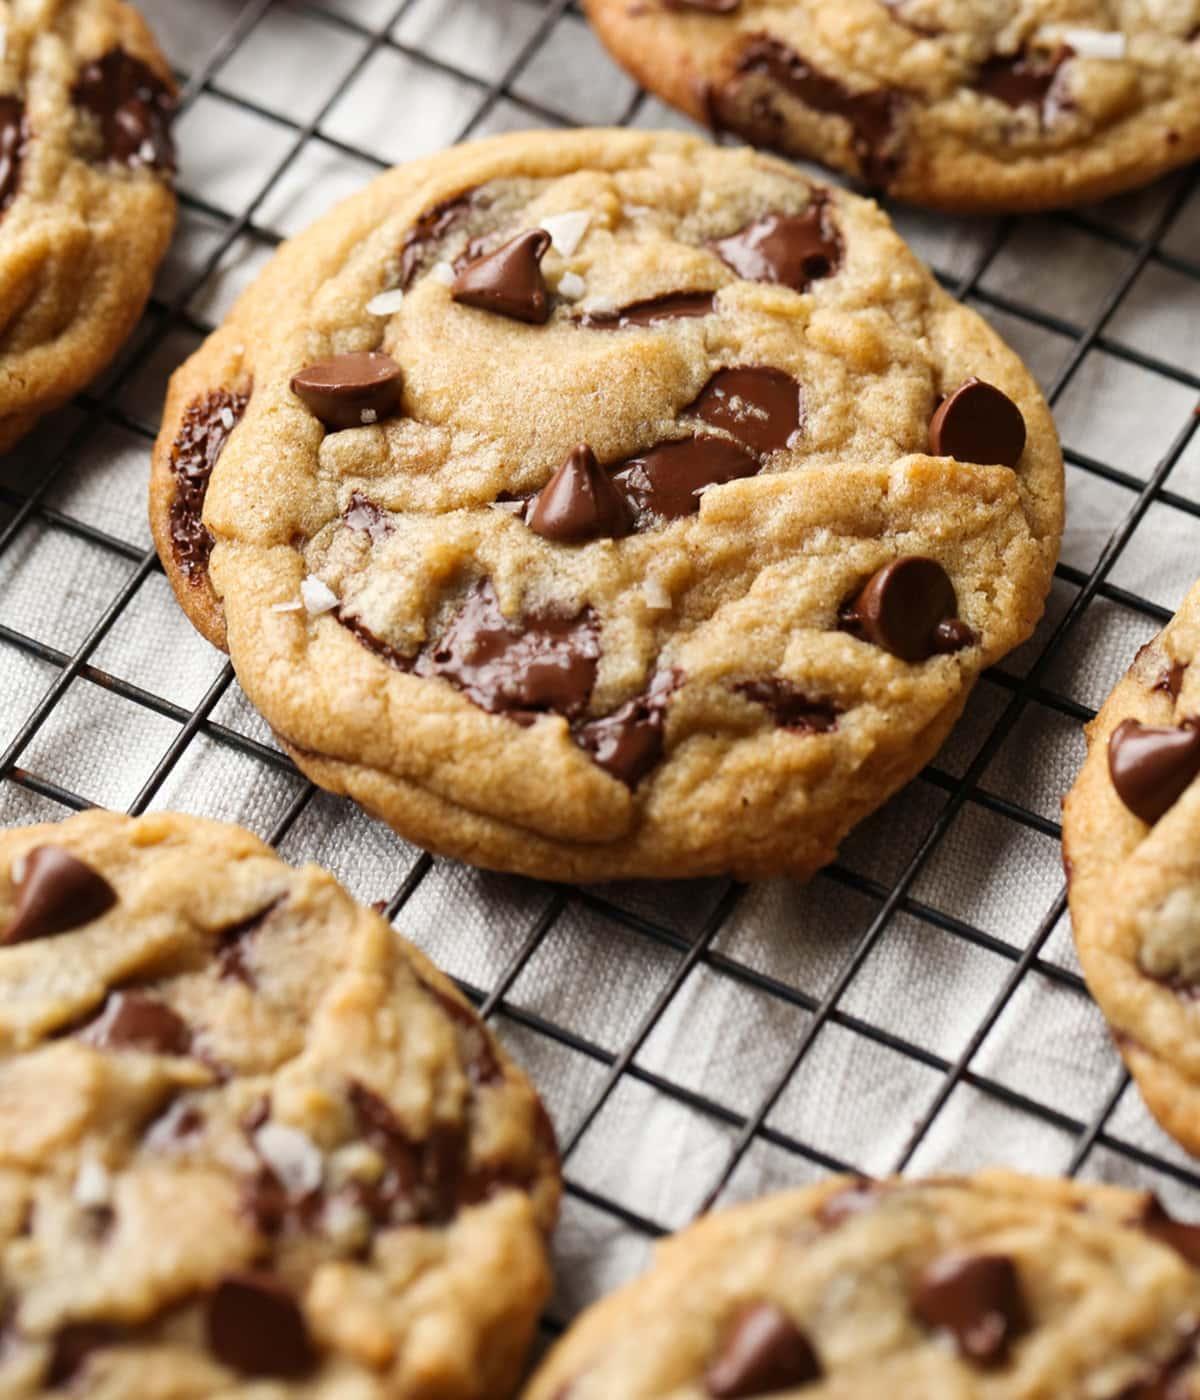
x=1015, y=693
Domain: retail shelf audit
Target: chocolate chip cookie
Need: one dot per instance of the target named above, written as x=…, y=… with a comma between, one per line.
x=997, y=1285
x=86, y=200
x=252, y=1143
x=959, y=104
x=1131, y=837
x=607, y=504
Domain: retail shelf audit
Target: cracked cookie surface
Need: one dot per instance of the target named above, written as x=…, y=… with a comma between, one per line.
x=1131, y=832
x=996, y=1286
x=571, y=506
x=252, y=1143
x=959, y=104
x=86, y=200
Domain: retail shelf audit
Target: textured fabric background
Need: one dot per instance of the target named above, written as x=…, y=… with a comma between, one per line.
x=918, y=1006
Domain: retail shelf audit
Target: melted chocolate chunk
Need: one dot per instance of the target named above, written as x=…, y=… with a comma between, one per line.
x=133, y=108
x=667, y=481
x=1151, y=768
x=56, y=893
x=479, y=1059
x=73, y=1344
x=521, y=668
x=256, y=1327
x=425, y=1181
x=13, y=135
x=350, y=391
x=1183, y=1238
x=509, y=281
x=653, y=311
x=908, y=608
x=629, y=742
x=392, y=655
x=794, y=250
x=131, y=1021
x=579, y=503
x=977, y=1300
x=1024, y=79
x=1170, y=680
x=231, y=944
x=873, y=115
x=789, y=706
x=177, y=1121
x=363, y=514
x=759, y=406
x=429, y=230
x=205, y=430
x=978, y=423
x=763, y=1352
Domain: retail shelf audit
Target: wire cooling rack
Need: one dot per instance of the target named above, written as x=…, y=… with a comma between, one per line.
x=918, y=1005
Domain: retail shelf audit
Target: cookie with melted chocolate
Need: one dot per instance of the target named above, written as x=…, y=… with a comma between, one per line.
x=249, y=1136
x=623, y=506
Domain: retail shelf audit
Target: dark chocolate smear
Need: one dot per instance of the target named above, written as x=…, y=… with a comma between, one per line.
x=666, y=482
x=909, y=608
x=363, y=514
x=794, y=250
x=761, y=1353
x=1024, y=79
x=133, y=1021
x=977, y=1300
x=350, y=391
x=579, y=503
x=255, y=1326
x=673, y=306
x=509, y=281
x=759, y=406
x=56, y=893
x=429, y=230
x=789, y=706
x=537, y=664
x=133, y=107
x=202, y=437
x=978, y=423
x=14, y=133
x=423, y=1181
x=629, y=742
x=873, y=115
x=1151, y=768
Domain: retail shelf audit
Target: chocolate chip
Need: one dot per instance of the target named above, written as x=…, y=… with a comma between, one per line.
x=13, y=135
x=1183, y=1238
x=667, y=481
x=350, y=391
x=434, y=225
x=1152, y=768
x=255, y=1327
x=977, y=1299
x=133, y=107
x=874, y=115
x=425, y=1181
x=131, y=1021
x=206, y=427
x=363, y=514
x=653, y=311
x=978, y=423
x=1021, y=80
x=56, y=892
x=759, y=406
x=73, y=1344
x=902, y=609
x=579, y=502
x=951, y=635
x=231, y=944
x=524, y=667
x=629, y=742
x=763, y=1352
x=509, y=281
x=794, y=250
x=789, y=706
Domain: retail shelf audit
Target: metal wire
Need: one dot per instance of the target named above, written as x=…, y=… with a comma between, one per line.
x=699, y=948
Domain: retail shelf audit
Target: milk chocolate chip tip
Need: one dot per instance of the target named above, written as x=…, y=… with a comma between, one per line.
x=608, y=504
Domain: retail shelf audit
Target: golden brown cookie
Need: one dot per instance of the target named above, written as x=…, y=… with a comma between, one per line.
x=86, y=200
x=959, y=104
x=1131, y=836
x=996, y=1286
x=607, y=504
x=252, y=1143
